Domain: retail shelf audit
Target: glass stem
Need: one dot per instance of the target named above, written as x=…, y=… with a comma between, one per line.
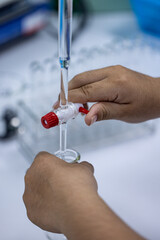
x=63, y=137
x=63, y=104
x=65, y=33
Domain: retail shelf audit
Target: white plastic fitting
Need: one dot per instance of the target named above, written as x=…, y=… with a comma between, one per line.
x=62, y=115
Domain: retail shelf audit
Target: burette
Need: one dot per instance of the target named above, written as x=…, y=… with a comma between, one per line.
x=67, y=110
x=65, y=35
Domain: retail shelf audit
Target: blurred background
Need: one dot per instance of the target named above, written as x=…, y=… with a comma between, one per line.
x=125, y=156
x=109, y=5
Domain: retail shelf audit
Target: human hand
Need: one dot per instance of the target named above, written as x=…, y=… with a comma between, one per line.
x=62, y=197
x=119, y=93
x=53, y=186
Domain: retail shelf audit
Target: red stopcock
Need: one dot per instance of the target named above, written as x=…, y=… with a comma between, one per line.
x=53, y=119
x=50, y=120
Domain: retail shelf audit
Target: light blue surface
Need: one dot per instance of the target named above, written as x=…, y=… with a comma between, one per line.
x=148, y=15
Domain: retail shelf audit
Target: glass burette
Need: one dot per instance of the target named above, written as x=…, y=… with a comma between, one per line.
x=65, y=35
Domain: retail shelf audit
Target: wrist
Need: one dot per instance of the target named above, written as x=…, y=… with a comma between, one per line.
x=90, y=218
x=78, y=209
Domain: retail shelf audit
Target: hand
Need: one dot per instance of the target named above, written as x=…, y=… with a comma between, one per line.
x=119, y=93
x=52, y=186
x=62, y=197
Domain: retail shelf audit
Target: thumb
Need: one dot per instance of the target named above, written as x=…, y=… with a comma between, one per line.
x=104, y=111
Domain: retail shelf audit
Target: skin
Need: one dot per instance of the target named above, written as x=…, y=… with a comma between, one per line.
x=119, y=93
x=61, y=197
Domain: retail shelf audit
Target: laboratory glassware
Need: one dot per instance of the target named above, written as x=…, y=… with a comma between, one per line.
x=65, y=34
x=135, y=52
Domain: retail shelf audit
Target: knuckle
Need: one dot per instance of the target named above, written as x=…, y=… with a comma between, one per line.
x=120, y=70
x=119, y=83
x=41, y=156
x=77, y=77
x=88, y=166
x=86, y=163
x=119, y=67
x=118, y=74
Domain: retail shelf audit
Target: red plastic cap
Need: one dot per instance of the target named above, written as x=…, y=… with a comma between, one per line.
x=50, y=120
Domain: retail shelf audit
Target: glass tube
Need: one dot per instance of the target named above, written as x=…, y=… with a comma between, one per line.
x=65, y=32
x=65, y=26
x=65, y=35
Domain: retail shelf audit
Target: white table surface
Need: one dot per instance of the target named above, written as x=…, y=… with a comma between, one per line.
x=128, y=174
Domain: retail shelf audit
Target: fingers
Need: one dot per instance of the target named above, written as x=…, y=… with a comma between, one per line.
x=105, y=111
x=46, y=159
x=88, y=165
x=100, y=91
x=86, y=78
x=45, y=155
x=89, y=77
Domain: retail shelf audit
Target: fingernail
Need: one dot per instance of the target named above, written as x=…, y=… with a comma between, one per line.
x=93, y=119
x=55, y=104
